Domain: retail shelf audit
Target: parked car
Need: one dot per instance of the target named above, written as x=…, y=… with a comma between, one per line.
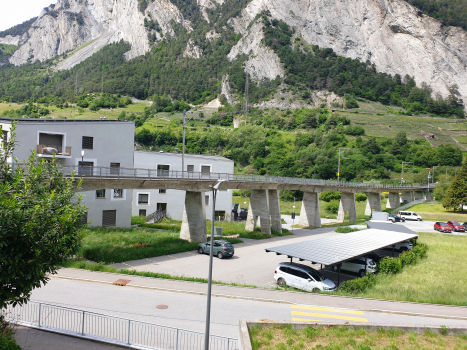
x=302, y=277
x=401, y=247
x=357, y=265
x=442, y=227
x=222, y=249
x=243, y=215
x=395, y=218
x=409, y=215
x=456, y=226
x=465, y=224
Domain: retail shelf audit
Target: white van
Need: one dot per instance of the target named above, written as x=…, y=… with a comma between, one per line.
x=409, y=215
x=302, y=277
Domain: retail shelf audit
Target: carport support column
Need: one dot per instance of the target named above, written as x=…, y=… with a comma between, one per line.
x=373, y=203
x=194, y=218
x=347, y=204
x=418, y=195
x=394, y=200
x=275, y=210
x=258, y=212
x=310, y=215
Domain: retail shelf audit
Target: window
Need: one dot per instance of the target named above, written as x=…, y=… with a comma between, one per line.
x=220, y=214
x=84, y=219
x=85, y=168
x=163, y=169
x=304, y=275
x=161, y=206
x=190, y=168
x=114, y=168
x=100, y=194
x=294, y=272
x=143, y=198
x=109, y=218
x=206, y=200
x=118, y=193
x=205, y=169
x=162, y=191
x=142, y=212
x=88, y=142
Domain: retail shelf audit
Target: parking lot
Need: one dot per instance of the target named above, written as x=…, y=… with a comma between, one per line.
x=251, y=265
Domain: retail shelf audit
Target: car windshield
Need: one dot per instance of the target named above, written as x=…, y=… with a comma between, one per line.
x=228, y=245
x=443, y=224
x=455, y=223
x=316, y=275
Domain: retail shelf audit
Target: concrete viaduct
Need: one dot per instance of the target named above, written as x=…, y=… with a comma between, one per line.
x=264, y=210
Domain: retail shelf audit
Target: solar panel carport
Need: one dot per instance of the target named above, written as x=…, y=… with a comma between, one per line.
x=334, y=250
x=388, y=226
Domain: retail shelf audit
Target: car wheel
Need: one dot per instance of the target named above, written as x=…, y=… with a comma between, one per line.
x=335, y=268
x=200, y=250
x=281, y=282
x=419, y=219
x=219, y=255
x=362, y=273
x=316, y=290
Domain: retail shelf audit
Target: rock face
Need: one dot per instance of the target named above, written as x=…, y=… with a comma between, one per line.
x=390, y=33
x=11, y=40
x=225, y=89
x=192, y=50
x=72, y=23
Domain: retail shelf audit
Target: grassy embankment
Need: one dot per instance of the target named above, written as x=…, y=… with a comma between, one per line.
x=435, y=211
x=285, y=337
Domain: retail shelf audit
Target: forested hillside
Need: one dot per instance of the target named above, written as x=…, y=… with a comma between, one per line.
x=19, y=29
x=449, y=12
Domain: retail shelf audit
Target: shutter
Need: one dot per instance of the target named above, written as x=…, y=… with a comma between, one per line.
x=84, y=219
x=205, y=169
x=190, y=168
x=88, y=142
x=206, y=200
x=109, y=218
x=114, y=168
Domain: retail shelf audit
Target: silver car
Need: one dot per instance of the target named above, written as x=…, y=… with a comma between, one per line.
x=357, y=265
x=302, y=277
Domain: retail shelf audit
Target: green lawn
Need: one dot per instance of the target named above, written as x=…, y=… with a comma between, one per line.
x=436, y=211
x=438, y=279
x=341, y=337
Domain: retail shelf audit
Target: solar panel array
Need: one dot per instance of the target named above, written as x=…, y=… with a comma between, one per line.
x=388, y=226
x=335, y=249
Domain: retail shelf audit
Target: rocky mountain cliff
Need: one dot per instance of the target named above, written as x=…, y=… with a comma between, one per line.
x=393, y=35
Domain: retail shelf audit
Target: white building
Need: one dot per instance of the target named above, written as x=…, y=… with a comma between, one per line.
x=146, y=202
x=105, y=143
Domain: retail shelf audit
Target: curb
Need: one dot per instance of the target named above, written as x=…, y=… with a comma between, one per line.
x=280, y=301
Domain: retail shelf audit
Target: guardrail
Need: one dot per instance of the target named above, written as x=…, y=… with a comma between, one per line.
x=408, y=205
x=116, y=330
x=157, y=174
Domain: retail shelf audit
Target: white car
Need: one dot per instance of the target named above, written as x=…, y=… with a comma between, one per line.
x=302, y=277
x=409, y=215
x=401, y=247
x=357, y=265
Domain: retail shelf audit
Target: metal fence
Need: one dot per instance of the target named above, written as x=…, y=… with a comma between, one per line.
x=408, y=205
x=157, y=174
x=112, y=329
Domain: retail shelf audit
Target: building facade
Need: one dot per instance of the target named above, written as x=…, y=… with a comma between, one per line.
x=146, y=202
x=84, y=144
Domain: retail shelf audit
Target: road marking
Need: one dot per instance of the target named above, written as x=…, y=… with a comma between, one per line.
x=337, y=317
x=304, y=320
x=326, y=309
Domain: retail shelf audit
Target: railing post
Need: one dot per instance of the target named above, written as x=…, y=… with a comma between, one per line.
x=176, y=344
x=149, y=173
x=39, y=320
x=82, y=325
x=135, y=174
x=100, y=171
x=129, y=328
x=119, y=173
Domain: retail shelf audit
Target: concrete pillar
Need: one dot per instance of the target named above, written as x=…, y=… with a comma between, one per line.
x=373, y=203
x=407, y=197
x=394, y=200
x=428, y=196
x=275, y=210
x=258, y=212
x=418, y=195
x=194, y=218
x=310, y=215
x=347, y=204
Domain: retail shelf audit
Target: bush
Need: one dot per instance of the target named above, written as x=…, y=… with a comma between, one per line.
x=332, y=207
x=241, y=193
x=346, y=229
x=421, y=250
x=330, y=196
x=408, y=258
x=361, y=197
x=358, y=285
x=6, y=336
x=389, y=265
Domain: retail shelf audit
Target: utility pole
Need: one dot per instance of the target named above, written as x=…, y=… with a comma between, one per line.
x=247, y=91
x=339, y=163
x=433, y=178
x=402, y=171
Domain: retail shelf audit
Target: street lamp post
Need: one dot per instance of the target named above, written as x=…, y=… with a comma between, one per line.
x=208, y=311
x=433, y=178
x=293, y=214
x=402, y=171
x=429, y=177
x=339, y=163
x=184, y=128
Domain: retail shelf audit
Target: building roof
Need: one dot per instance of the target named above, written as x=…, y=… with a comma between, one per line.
x=336, y=249
x=387, y=226
x=57, y=121
x=187, y=155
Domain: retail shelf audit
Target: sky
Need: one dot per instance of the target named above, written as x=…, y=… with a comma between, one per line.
x=18, y=11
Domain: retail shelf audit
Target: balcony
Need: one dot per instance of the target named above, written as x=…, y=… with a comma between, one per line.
x=53, y=150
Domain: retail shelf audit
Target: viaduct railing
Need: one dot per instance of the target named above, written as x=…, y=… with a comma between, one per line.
x=98, y=172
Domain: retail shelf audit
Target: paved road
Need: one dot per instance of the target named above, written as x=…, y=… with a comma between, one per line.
x=188, y=310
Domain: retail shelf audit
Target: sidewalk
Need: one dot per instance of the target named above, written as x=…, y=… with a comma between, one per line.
x=280, y=296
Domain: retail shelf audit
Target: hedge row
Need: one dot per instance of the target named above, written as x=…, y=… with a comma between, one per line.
x=386, y=266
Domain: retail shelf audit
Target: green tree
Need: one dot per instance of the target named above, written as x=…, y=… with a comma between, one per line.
x=456, y=194
x=39, y=220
